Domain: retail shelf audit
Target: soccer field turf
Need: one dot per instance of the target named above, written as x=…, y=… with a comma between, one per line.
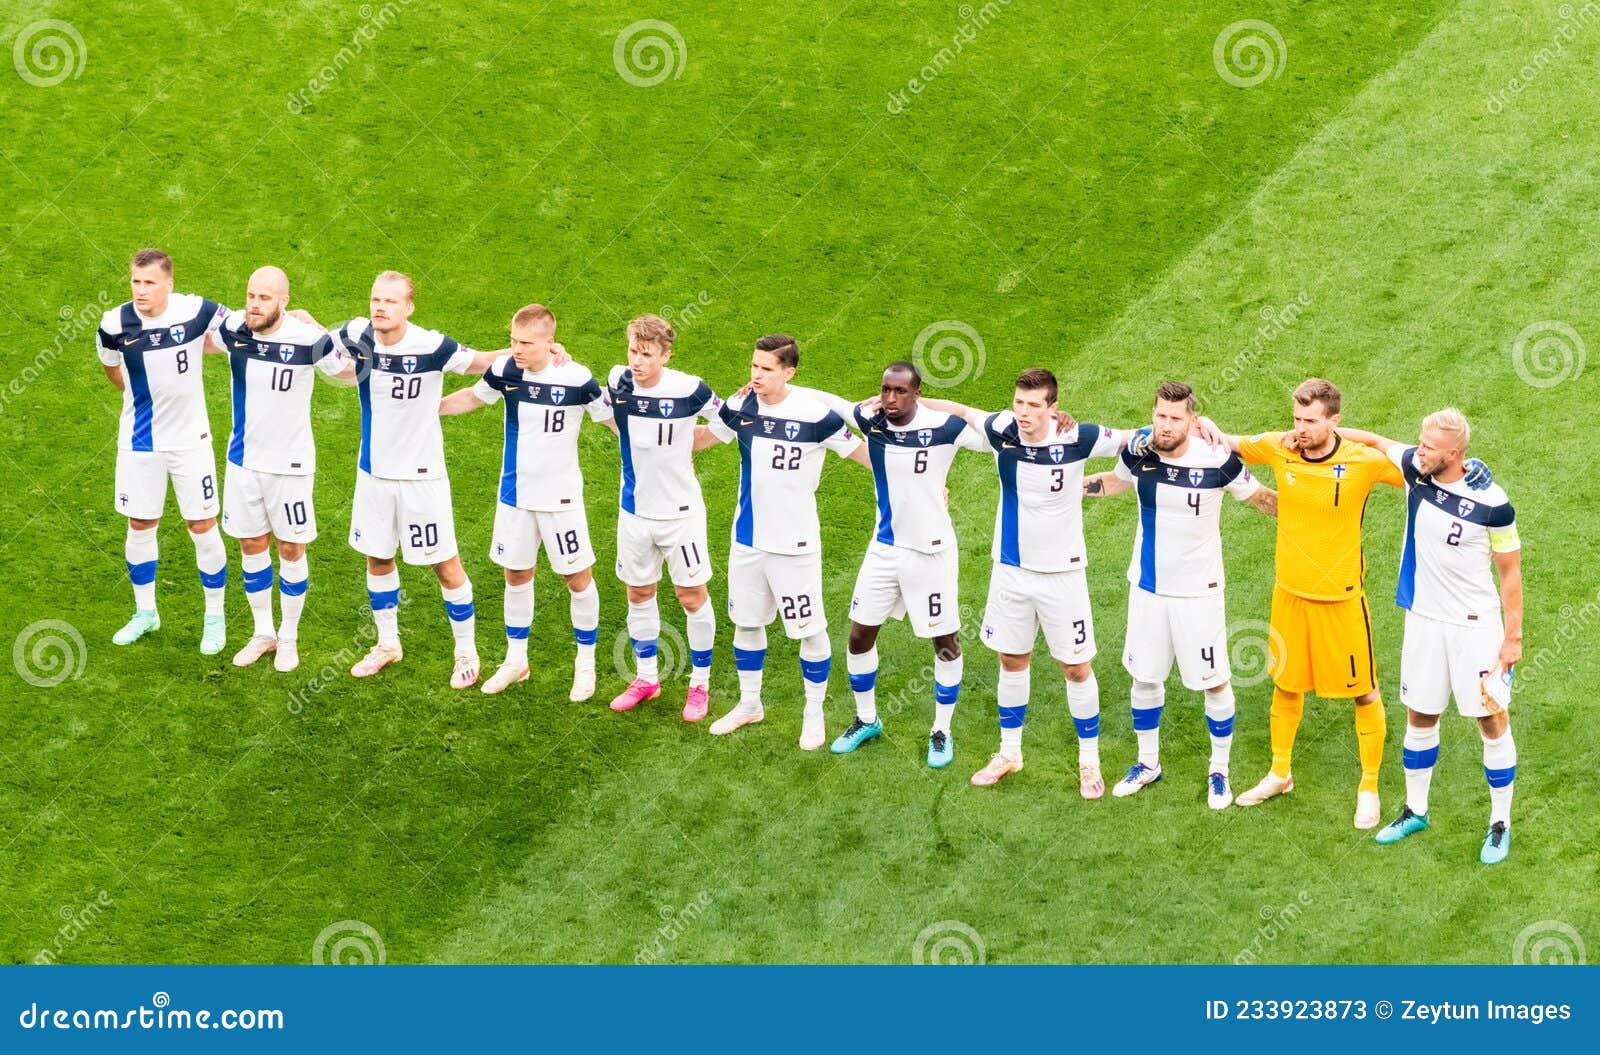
x=1401, y=199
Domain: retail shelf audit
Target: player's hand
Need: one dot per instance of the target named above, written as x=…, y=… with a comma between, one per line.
x=558, y=354
x=1478, y=474
x=947, y=498
x=1139, y=442
x=1065, y=422
x=1207, y=430
x=1094, y=486
x=1510, y=652
x=871, y=405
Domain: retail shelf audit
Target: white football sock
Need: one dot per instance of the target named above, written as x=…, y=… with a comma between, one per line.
x=749, y=654
x=292, y=578
x=257, y=573
x=863, y=671
x=644, y=627
x=1219, y=721
x=816, y=657
x=1500, y=769
x=463, y=619
x=1083, y=701
x=702, y=634
x=383, y=593
x=946, y=687
x=1419, y=752
x=584, y=608
x=141, y=551
x=519, y=620
x=211, y=557
x=1148, y=697
x=1013, y=700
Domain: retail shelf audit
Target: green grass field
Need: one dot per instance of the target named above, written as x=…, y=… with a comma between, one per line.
x=1407, y=192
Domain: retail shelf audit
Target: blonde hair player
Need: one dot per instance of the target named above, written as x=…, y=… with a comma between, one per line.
x=1462, y=637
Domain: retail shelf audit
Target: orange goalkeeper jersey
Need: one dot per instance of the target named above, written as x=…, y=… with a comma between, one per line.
x=1320, y=504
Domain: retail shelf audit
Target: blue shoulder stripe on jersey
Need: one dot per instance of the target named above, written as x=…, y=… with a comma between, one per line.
x=517, y=388
x=755, y=425
x=442, y=355
x=364, y=395
x=990, y=433
x=625, y=404
x=1233, y=468
x=241, y=343
x=1463, y=508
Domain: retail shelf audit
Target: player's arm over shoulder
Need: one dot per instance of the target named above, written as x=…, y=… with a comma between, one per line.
x=1264, y=448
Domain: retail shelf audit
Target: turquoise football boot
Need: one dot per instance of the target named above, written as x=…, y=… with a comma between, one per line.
x=142, y=623
x=1407, y=823
x=857, y=734
x=1496, y=845
x=941, y=752
x=214, y=635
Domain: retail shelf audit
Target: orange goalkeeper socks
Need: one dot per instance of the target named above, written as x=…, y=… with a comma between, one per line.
x=1284, y=721
x=1370, y=731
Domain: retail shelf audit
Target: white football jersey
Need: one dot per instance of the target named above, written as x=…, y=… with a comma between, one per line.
x=1177, y=547
x=1039, y=523
x=1452, y=533
x=781, y=449
x=400, y=386
x=539, y=462
x=271, y=391
x=909, y=466
x=163, y=399
x=655, y=427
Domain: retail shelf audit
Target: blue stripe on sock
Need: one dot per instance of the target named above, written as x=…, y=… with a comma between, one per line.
x=1088, y=728
x=585, y=637
x=256, y=581
x=701, y=657
x=1222, y=727
x=643, y=649
x=748, y=658
x=382, y=599
x=1146, y=718
x=863, y=682
x=142, y=574
x=1423, y=759
x=517, y=633
x=291, y=589
x=213, y=580
x=816, y=670
x=458, y=612
x=1500, y=778
x=946, y=694
x=1011, y=717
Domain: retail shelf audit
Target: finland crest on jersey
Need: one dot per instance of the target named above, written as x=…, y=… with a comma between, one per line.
x=781, y=449
x=1177, y=546
x=539, y=461
x=655, y=427
x=909, y=466
x=163, y=399
x=271, y=390
x=1452, y=534
x=399, y=386
x=1039, y=522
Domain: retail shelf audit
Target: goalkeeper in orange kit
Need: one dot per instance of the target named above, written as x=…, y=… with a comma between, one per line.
x=1321, y=637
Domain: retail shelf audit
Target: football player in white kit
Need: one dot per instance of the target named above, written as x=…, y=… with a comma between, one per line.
x=541, y=487
x=150, y=348
x=1462, y=636
x=911, y=566
x=662, y=517
x=1175, y=580
x=1038, y=582
x=775, y=559
x=402, y=497
x=267, y=489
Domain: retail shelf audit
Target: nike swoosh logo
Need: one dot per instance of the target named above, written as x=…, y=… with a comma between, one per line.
x=1147, y=468
x=1008, y=446
x=746, y=421
x=1350, y=685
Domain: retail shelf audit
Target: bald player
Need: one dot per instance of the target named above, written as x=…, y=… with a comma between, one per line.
x=266, y=490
